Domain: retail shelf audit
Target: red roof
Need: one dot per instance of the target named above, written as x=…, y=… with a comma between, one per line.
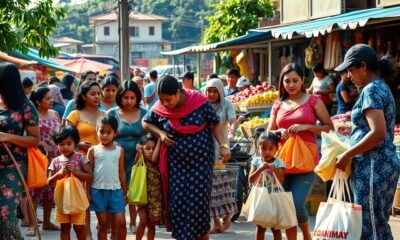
x=133, y=16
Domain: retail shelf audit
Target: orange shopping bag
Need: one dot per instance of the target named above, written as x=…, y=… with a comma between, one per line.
x=37, y=168
x=298, y=155
x=70, y=196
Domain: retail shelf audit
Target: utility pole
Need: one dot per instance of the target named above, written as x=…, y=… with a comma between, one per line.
x=123, y=15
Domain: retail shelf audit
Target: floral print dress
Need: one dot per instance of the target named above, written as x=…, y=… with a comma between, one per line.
x=11, y=189
x=375, y=173
x=47, y=127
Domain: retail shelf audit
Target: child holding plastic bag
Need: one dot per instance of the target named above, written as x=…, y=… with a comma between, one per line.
x=267, y=146
x=70, y=162
x=108, y=189
x=151, y=214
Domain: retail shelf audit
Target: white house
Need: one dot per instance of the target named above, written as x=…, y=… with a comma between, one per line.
x=66, y=44
x=145, y=31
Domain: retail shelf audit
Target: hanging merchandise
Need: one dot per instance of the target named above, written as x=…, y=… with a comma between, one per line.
x=379, y=44
x=320, y=48
x=217, y=63
x=226, y=60
x=312, y=54
x=253, y=66
x=371, y=41
x=328, y=51
x=284, y=56
x=358, y=37
x=243, y=64
x=333, y=51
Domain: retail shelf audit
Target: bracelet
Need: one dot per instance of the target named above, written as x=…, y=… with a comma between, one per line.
x=224, y=146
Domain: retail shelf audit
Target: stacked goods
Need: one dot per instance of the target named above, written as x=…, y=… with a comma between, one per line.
x=249, y=127
x=342, y=120
x=253, y=90
x=266, y=98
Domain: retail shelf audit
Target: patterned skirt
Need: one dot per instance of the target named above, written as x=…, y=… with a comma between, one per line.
x=154, y=196
x=223, y=201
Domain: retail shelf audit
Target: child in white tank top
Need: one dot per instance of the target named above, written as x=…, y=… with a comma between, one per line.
x=108, y=189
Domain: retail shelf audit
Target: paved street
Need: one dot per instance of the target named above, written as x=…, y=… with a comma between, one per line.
x=238, y=231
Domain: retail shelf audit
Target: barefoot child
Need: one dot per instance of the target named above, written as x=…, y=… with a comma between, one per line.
x=267, y=146
x=151, y=214
x=108, y=190
x=70, y=162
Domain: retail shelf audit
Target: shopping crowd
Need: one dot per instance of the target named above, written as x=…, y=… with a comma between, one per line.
x=95, y=129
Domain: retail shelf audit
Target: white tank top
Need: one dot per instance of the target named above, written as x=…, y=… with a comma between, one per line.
x=106, y=164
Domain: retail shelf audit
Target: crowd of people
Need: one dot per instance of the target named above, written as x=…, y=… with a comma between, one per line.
x=96, y=128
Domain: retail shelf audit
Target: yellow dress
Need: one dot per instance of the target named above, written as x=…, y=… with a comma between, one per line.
x=87, y=130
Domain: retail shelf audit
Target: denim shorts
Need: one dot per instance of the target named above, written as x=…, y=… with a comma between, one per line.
x=104, y=200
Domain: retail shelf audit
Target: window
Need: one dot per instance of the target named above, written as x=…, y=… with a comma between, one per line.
x=151, y=31
x=134, y=31
x=106, y=31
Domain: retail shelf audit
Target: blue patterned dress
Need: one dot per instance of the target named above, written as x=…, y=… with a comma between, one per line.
x=375, y=172
x=190, y=170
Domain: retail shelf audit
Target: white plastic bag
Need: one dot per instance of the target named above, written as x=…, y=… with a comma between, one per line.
x=337, y=219
x=285, y=210
x=260, y=209
x=332, y=145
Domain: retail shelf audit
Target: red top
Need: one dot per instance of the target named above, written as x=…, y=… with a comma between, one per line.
x=304, y=114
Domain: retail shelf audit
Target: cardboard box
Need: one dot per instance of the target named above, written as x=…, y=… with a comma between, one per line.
x=318, y=194
x=249, y=132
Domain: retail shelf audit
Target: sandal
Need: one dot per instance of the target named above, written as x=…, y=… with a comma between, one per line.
x=225, y=226
x=24, y=224
x=133, y=228
x=215, y=230
x=51, y=227
x=31, y=232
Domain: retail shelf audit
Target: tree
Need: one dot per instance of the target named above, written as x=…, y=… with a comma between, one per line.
x=234, y=18
x=24, y=24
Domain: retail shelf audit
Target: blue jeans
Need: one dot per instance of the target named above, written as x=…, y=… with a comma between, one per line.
x=300, y=185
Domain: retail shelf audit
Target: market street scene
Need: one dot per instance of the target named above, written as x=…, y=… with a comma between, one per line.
x=200, y=119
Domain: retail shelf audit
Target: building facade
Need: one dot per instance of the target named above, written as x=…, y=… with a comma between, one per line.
x=145, y=37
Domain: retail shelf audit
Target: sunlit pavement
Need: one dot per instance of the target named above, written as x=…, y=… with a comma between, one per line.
x=239, y=230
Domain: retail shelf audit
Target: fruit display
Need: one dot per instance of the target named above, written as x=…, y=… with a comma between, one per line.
x=253, y=90
x=255, y=122
x=248, y=128
x=396, y=134
x=266, y=98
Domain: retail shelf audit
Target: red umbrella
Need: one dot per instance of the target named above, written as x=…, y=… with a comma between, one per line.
x=81, y=65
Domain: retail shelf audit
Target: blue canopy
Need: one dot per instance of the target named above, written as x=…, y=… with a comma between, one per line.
x=33, y=55
x=351, y=20
x=313, y=28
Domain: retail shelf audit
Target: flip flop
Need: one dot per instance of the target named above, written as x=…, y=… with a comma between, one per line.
x=31, y=232
x=24, y=224
x=51, y=227
x=225, y=226
x=133, y=228
x=215, y=230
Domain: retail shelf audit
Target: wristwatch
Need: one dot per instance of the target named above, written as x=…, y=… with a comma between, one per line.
x=224, y=146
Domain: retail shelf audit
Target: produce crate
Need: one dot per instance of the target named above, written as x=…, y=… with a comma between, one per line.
x=249, y=132
x=255, y=108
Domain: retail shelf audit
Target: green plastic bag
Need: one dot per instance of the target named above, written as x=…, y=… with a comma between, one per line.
x=137, y=193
